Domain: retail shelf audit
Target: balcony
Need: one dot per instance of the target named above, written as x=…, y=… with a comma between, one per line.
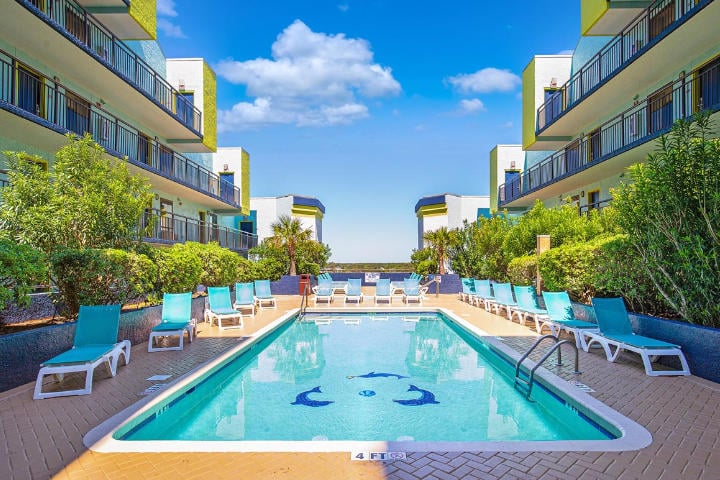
x=31, y=96
x=567, y=169
x=136, y=20
x=125, y=80
x=629, y=52
x=168, y=228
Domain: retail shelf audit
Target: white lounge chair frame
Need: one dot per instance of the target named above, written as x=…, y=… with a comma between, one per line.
x=190, y=328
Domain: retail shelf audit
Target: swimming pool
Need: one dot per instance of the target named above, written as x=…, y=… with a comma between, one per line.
x=416, y=380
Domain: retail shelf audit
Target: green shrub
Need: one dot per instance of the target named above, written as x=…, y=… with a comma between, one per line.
x=98, y=277
x=523, y=270
x=219, y=265
x=424, y=261
x=21, y=267
x=179, y=269
x=571, y=267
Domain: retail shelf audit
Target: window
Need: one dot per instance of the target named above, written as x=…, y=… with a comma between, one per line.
x=227, y=185
x=247, y=227
x=593, y=199
x=708, y=86
x=77, y=114
x=166, y=160
x=167, y=232
x=594, y=150
x=30, y=91
x=184, y=103
x=553, y=103
x=144, y=153
x=572, y=158
x=660, y=114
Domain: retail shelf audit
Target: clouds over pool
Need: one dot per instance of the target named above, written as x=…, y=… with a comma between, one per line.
x=312, y=79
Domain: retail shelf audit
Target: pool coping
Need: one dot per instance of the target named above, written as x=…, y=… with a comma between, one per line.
x=632, y=435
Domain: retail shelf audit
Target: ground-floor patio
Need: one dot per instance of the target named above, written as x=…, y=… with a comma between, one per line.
x=44, y=438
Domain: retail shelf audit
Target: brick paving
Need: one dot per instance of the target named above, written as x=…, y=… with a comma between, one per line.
x=43, y=438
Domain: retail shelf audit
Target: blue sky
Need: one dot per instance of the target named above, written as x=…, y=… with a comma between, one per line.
x=368, y=105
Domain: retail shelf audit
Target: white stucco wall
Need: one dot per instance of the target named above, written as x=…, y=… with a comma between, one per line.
x=459, y=209
x=186, y=75
x=269, y=209
x=547, y=69
x=509, y=157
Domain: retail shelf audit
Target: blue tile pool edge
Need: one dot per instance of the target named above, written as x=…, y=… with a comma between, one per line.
x=632, y=436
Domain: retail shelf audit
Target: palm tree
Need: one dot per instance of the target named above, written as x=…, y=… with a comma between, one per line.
x=289, y=233
x=439, y=241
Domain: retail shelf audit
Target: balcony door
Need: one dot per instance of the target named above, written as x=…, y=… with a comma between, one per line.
x=708, y=86
x=660, y=110
x=30, y=91
x=167, y=230
x=661, y=16
x=77, y=114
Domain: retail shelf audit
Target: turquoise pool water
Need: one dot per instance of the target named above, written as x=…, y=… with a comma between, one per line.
x=367, y=377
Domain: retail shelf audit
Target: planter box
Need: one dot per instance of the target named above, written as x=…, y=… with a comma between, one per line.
x=22, y=353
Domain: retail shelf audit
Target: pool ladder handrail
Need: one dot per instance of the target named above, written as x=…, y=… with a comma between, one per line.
x=521, y=383
x=304, y=301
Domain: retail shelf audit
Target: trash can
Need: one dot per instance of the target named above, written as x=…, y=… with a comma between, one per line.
x=304, y=282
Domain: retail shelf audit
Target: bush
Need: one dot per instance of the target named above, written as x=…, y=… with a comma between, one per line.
x=100, y=277
x=523, y=270
x=21, y=267
x=219, y=265
x=424, y=261
x=179, y=269
x=571, y=267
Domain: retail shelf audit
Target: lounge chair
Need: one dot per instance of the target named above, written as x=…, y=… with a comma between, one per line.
x=245, y=298
x=176, y=319
x=504, y=299
x=383, y=291
x=353, y=291
x=323, y=291
x=95, y=343
x=468, y=289
x=616, y=331
x=263, y=295
x=484, y=294
x=411, y=292
x=220, y=308
x=561, y=317
x=527, y=307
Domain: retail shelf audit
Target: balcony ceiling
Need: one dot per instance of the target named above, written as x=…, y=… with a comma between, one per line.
x=34, y=38
x=115, y=15
x=613, y=21
x=27, y=132
x=660, y=62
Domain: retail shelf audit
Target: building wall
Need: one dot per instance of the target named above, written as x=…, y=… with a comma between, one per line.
x=502, y=159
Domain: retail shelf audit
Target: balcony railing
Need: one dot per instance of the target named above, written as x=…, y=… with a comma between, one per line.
x=161, y=227
x=599, y=206
x=71, y=18
x=617, y=54
x=49, y=102
x=640, y=123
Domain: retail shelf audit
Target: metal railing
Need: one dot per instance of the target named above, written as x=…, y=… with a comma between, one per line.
x=42, y=97
x=73, y=19
x=162, y=227
x=622, y=50
x=599, y=206
x=642, y=122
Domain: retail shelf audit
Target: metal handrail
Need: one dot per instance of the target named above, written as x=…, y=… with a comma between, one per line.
x=73, y=19
x=619, y=52
x=557, y=346
x=53, y=103
x=304, y=301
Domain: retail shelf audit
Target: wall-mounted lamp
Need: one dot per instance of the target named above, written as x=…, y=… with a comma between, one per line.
x=157, y=196
x=582, y=193
x=179, y=201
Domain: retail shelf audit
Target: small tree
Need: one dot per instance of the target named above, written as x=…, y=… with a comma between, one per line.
x=21, y=267
x=440, y=241
x=670, y=208
x=86, y=201
x=288, y=233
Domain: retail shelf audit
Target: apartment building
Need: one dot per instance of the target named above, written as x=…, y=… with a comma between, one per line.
x=448, y=210
x=94, y=66
x=638, y=67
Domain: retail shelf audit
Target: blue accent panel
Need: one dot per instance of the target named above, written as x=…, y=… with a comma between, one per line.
x=483, y=213
x=586, y=48
x=151, y=52
x=434, y=200
x=308, y=202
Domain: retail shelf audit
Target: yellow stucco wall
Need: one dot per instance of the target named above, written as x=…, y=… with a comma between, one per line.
x=145, y=14
x=432, y=210
x=590, y=12
x=528, y=105
x=245, y=183
x=493, y=179
x=210, y=108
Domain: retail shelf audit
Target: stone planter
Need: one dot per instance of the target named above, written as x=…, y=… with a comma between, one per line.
x=21, y=353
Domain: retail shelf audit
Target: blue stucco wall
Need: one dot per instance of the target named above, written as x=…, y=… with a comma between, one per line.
x=151, y=52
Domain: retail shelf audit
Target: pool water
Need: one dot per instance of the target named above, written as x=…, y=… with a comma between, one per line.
x=374, y=377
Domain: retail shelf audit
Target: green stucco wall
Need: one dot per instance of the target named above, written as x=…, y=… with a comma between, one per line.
x=528, y=105
x=493, y=179
x=245, y=183
x=209, y=107
x=590, y=12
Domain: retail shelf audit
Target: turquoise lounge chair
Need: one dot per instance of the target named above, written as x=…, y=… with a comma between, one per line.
x=484, y=294
x=411, y=292
x=561, y=317
x=95, y=343
x=383, y=291
x=245, y=297
x=527, y=306
x=323, y=291
x=220, y=308
x=504, y=299
x=468, y=290
x=176, y=319
x=263, y=295
x=616, y=331
x=353, y=291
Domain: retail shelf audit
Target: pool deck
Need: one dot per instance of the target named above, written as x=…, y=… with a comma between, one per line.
x=44, y=438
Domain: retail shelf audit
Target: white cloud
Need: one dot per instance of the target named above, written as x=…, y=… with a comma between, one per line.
x=343, y=7
x=486, y=80
x=565, y=52
x=472, y=105
x=311, y=79
x=169, y=29
x=506, y=125
x=166, y=8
